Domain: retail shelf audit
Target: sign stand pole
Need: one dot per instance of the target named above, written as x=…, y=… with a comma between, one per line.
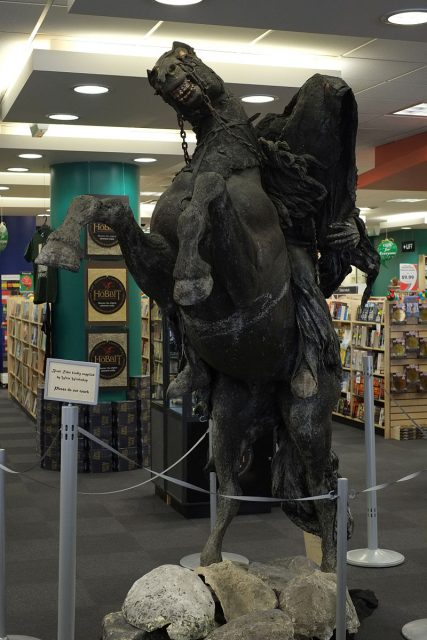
x=372, y=556
x=192, y=561
x=67, y=523
x=3, y=634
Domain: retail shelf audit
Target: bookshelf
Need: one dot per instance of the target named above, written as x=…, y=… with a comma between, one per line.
x=9, y=287
x=145, y=335
x=26, y=346
x=361, y=332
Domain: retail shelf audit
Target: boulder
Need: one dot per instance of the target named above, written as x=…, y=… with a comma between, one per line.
x=115, y=627
x=310, y=602
x=263, y=625
x=278, y=573
x=238, y=591
x=171, y=597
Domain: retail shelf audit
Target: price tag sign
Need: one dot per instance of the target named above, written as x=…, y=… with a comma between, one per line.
x=72, y=381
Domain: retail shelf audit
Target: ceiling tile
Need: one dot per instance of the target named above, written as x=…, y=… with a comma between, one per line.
x=316, y=43
x=399, y=50
x=194, y=34
x=362, y=74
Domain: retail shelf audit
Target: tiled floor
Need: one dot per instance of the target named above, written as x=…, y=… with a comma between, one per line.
x=123, y=536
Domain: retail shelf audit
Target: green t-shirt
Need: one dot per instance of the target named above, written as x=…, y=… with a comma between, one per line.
x=45, y=278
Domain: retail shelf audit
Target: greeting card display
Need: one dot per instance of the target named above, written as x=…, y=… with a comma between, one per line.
x=412, y=342
x=412, y=377
x=398, y=382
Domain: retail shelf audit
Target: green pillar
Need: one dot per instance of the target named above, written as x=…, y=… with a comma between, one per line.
x=69, y=327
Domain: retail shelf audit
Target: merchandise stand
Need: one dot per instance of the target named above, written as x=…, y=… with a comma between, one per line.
x=372, y=556
x=3, y=634
x=67, y=523
x=192, y=561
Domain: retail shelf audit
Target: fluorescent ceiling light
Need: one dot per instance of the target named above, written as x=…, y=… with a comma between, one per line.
x=17, y=169
x=63, y=116
x=177, y=3
x=4, y=188
x=151, y=193
x=407, y=18
x=258, y=99
x=30, y=156
x=43, y=215
x=407, y=200
x=406, y=227
x=404, y=217
x=145, y=160
x=91, y=89
x=416, y=110
x=365, y=209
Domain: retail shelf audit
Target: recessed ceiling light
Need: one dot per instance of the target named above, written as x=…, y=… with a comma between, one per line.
x=63, y=116
x=407, y=18
x=145, y=160
x=30, y=156
x=4, y=188
x=17, y=169
x=178, y=2
x=91, y=89
x=258, y=99
x=407, y=200
x=416, y=110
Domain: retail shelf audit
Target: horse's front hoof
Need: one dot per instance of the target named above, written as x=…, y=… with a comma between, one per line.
x=57, y=253
x=190, y=292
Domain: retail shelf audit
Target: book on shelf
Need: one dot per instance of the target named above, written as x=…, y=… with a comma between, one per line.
x=371, y=312
x=339, y=310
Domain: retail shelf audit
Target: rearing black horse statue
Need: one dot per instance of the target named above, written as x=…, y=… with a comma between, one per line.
x=244, y=245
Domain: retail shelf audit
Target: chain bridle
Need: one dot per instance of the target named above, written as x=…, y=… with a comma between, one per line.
x=184, y=143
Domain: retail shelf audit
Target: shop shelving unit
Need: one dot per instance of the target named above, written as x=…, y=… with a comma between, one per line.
x=26, y=347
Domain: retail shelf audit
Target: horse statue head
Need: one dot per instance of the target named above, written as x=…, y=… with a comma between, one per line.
x=185, y=82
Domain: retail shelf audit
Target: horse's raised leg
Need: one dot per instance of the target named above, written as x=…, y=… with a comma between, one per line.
x=193, y=280
x=309, y=424
x=148, y=257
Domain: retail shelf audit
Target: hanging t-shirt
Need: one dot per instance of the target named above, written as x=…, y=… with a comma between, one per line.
x=45, y=278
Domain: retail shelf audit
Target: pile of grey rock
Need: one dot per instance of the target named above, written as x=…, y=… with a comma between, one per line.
x=285, y=599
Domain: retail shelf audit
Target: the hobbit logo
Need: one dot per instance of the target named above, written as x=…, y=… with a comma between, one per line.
x=107, y=294
x=102, y=234
x=111, y=357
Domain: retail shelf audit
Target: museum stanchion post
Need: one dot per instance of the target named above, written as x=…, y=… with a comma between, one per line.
x=372, y=556
x=341, y=608
x=67, y=523
x=3, y=607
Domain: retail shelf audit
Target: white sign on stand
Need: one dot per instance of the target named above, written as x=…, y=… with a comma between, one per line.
x=72, y=381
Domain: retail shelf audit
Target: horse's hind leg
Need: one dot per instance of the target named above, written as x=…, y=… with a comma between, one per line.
x=235, y=408
x=309, y=424
x=193, y=280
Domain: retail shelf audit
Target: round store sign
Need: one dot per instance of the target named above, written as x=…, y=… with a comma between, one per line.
x=387, y=249
x=102, y=234
x=107, y=294
x=111, y=357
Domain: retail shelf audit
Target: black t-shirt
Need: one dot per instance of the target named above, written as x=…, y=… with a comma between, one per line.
x=45, y=278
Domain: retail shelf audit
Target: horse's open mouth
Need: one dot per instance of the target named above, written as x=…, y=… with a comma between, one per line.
x=183, y=91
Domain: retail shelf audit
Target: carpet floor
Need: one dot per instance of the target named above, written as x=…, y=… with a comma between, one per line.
x=120, y=537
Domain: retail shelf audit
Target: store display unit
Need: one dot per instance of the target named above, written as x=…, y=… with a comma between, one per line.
x=145, y=335
x=9, y=287
x=26, y=347
x=394, y=332
x=361, y=332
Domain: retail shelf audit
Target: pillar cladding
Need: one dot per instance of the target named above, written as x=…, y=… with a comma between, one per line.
x=69, y=180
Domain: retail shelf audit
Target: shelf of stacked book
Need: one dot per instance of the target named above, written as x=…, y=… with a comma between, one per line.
x=145, y=335
x=360, y=332
x=26, y=346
